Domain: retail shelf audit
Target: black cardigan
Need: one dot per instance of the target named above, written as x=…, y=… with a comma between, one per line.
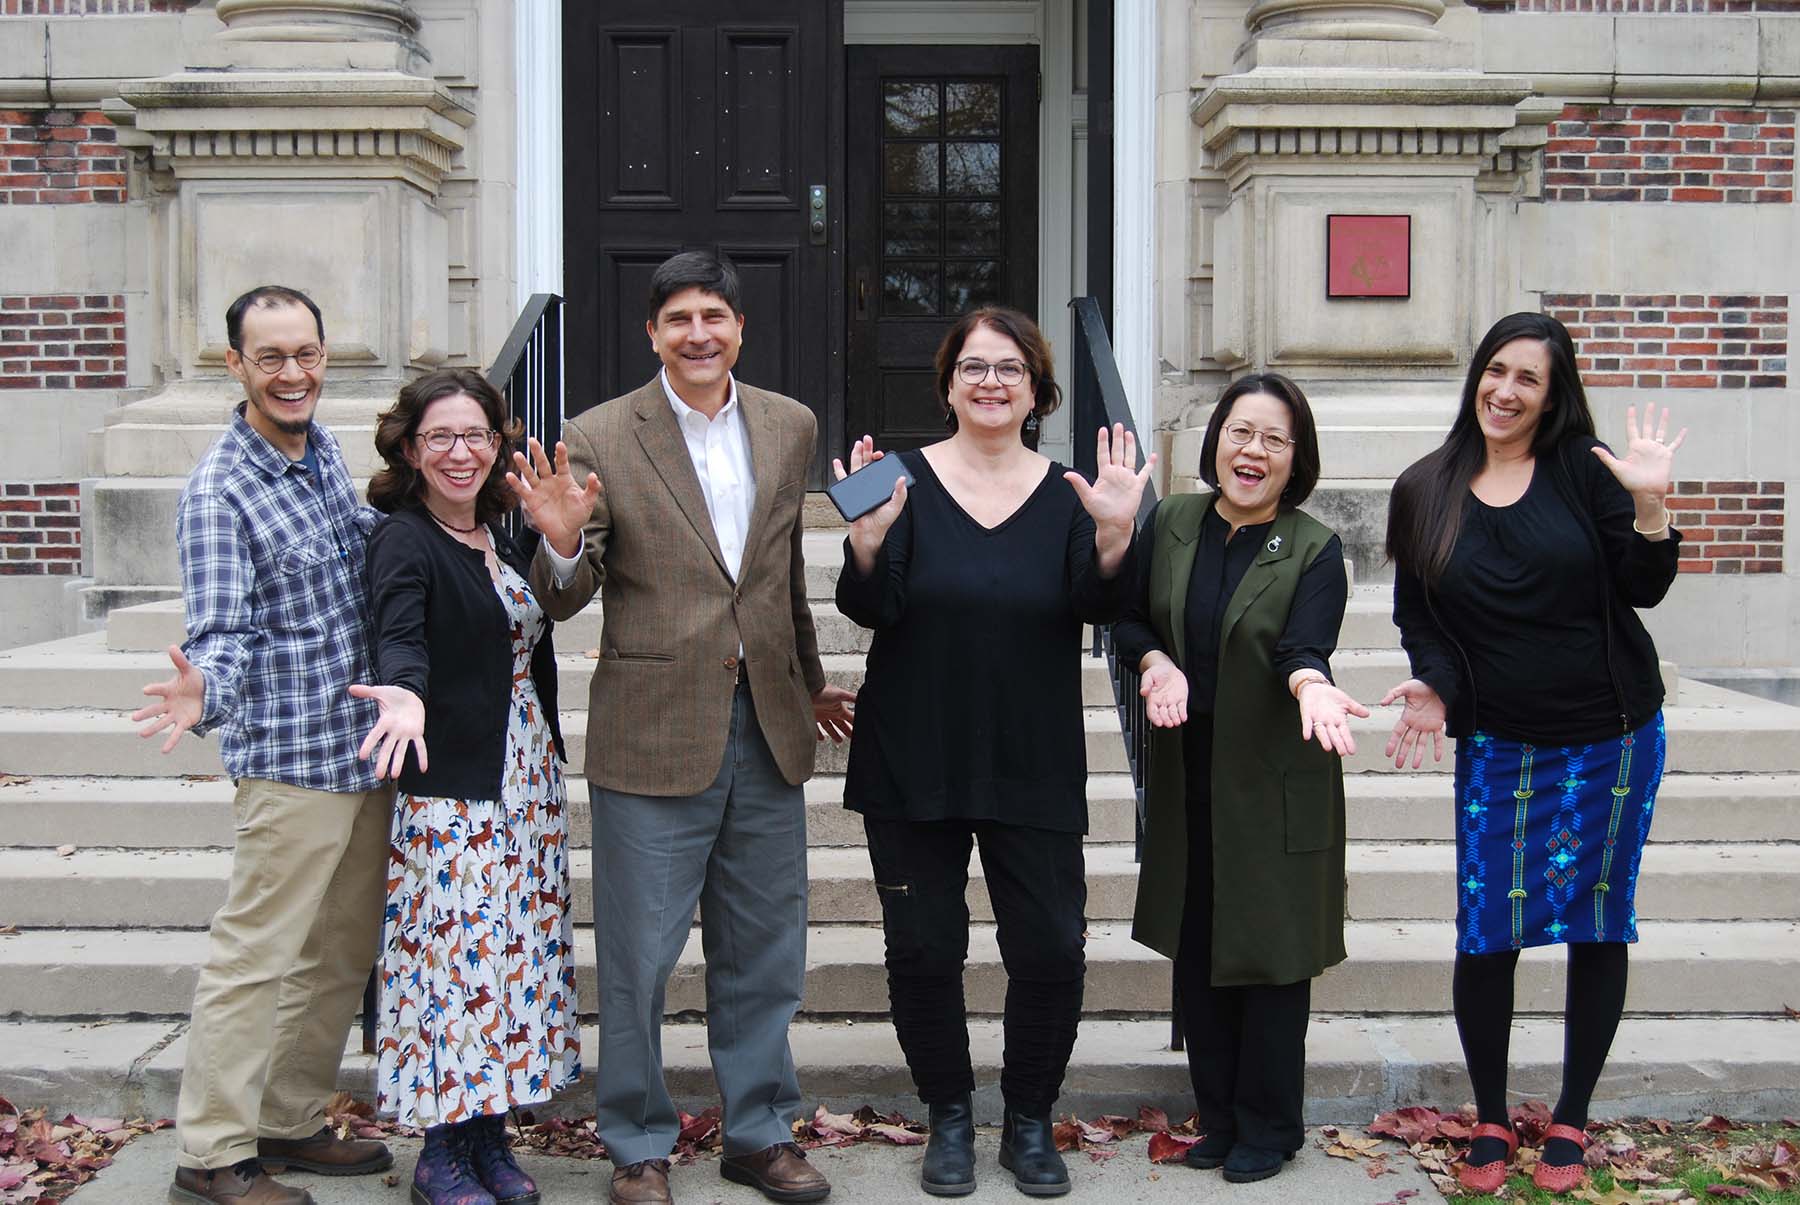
x=431, y=594
x=1636, y=573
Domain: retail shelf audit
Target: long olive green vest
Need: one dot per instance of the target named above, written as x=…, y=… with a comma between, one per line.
x=1277, y=802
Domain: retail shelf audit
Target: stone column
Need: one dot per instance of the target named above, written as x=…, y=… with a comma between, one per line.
x=301, y=148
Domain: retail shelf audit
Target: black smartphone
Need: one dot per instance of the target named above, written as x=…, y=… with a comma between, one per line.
x=868, y=487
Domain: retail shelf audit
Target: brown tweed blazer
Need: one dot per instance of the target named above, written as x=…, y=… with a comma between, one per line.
x=659, y=709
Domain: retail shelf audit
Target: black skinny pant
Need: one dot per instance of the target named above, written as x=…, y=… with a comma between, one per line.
x=1246, y=1046
x=1037, y=881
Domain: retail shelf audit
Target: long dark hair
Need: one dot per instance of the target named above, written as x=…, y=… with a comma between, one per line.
x=1425, y=511
x=399, y=484
x=1303, y=475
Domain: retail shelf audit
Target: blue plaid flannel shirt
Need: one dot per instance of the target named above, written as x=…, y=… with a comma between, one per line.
x=272, y=578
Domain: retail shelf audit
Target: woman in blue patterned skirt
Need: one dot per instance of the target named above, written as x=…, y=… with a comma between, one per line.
x=1521, y=547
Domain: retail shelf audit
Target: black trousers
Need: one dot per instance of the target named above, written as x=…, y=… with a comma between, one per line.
x=1037, y=881
x=1246, y=1046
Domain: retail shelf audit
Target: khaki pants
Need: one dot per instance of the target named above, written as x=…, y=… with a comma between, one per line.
x=290, y=951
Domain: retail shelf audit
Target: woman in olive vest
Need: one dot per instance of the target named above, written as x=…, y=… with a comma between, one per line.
x=1242, y=882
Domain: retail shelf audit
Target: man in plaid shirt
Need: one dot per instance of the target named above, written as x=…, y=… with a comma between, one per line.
x=270, y=535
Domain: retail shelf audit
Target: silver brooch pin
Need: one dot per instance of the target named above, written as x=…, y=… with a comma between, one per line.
x=1274, y=545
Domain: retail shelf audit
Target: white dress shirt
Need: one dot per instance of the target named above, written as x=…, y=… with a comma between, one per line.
x=720, y=451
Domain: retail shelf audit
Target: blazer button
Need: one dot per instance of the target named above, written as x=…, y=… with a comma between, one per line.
x=731, y=663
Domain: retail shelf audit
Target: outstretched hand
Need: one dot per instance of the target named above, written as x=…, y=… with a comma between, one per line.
x=1325, y=713
x=1422, y=716
x=183, y=701
x=834, y=712
x=1118, y=485
x=1165, y=691
x=1648, y=461
x=401, y=726
x=554, y=502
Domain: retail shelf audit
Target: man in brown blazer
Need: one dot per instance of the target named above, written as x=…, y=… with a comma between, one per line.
x=681, y=504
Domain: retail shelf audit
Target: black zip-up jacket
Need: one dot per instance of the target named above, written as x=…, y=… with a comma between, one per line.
x=441, y=632
x=1639, y=573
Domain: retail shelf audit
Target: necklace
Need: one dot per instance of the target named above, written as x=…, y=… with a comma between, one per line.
x=451, y=526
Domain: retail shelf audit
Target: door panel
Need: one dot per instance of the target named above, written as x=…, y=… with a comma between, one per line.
x=943, y=217
x=705, y=129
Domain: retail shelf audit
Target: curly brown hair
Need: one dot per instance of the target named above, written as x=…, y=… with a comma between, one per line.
x=399, y=483
x=1034, y=349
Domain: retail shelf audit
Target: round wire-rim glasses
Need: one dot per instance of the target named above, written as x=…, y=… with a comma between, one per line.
x=974, y=371
x=269, y=362
x=1273, y=442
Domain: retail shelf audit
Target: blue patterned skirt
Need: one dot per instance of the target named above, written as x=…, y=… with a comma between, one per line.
x=1549, y=841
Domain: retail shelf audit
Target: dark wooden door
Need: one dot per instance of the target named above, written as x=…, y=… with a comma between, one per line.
x=696, y=125
x=943, y=217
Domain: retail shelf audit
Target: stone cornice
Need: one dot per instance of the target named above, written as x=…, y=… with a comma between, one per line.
x=240, y=124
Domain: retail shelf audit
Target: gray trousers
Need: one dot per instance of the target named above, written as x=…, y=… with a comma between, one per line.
x=738, y=849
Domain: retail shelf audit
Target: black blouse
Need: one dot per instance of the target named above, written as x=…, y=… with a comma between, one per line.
x=1220, y=562
x=971, y=707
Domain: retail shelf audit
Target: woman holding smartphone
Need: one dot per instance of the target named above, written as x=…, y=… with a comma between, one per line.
x=976, y=582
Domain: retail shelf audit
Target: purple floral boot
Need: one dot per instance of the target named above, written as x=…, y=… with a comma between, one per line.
x=494, y=1164
x=444, y=1175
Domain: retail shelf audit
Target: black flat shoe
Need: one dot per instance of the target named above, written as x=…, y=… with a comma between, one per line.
x=1028, y=1151
x=949, y=1167
x=1247, y=1164
x=1209, y=1152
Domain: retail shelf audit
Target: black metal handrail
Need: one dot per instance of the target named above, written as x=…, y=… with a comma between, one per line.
x=529, y=373
x=1098, y=397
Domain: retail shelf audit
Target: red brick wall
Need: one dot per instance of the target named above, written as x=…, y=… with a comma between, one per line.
x=1729, y=526
x=40, y=528
x=62, y=342
x=1670, y=153
x=51, y=8
x=1677, y=340
x=59, y=157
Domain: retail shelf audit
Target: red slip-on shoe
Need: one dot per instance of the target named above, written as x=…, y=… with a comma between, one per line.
x=1488, y=1177
x=1561, y=1179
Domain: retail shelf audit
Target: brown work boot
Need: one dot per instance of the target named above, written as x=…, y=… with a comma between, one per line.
x=645, y=1182
x=325, y=1154
x=245, y=1183
x=779, y=1172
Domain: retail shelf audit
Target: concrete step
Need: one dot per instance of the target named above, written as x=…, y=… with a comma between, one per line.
x=1356, y=1067
x=180, y=889
x=1699, y=967
x=1722, y=732
x=80, y=672
x=177, y=813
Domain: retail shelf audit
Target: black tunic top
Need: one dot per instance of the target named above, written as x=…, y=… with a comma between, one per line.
x=1535, y=604
x=971, y=707
x=1219, y=565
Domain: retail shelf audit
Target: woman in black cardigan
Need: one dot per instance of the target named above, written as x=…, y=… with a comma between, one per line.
x=1520, y=549
x=478, y=973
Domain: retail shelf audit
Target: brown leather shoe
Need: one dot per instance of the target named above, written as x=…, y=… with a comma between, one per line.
x=779, y=1172
x=645, y=1182
x=324, y=1154
x=244, y=1184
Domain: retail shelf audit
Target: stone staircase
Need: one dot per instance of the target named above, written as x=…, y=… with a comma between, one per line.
x=97, y=980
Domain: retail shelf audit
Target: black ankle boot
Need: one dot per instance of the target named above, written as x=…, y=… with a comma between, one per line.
x=949, y=1168
x=1028, y=1151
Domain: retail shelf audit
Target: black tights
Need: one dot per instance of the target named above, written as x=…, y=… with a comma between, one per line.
x=1482, y=989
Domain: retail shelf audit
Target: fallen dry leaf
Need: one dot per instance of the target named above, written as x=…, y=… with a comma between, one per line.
x=14, y=780
x=1168, y=1148
x=65, y=851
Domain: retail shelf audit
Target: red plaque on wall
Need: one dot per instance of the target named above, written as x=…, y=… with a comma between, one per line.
x=1368, y=255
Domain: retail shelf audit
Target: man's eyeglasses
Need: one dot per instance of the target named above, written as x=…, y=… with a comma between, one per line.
x=269, y=362
x=974, y=372
x=478, y=439
x=1274, y=442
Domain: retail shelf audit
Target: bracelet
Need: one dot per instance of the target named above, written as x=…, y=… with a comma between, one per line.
x=1306, y=682
x=1654, y=531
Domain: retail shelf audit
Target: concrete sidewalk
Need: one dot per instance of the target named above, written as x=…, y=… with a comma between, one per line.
x=873, y=1173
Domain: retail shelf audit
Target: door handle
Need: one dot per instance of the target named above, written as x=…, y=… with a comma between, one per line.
x=862, y=292
x=815, y=215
